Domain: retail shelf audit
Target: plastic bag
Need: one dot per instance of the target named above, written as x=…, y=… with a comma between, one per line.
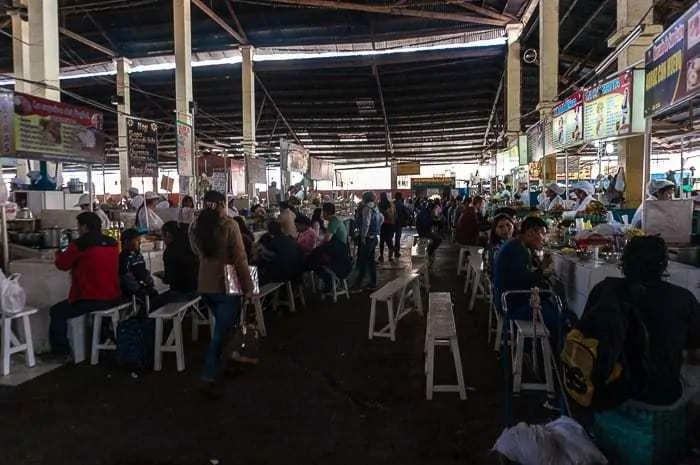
x=13, y=299
x=561, y=442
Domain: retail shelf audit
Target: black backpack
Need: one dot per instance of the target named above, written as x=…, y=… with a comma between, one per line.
x=135, y=343
x=604, y=345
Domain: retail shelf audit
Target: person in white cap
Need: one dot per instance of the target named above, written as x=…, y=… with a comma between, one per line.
x=657, y=189
x=584, y=191
x=551, y=200
x=136, y=198
x=84, y=204
x=146, y=217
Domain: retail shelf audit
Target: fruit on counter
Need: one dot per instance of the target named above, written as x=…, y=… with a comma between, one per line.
x=595, y=208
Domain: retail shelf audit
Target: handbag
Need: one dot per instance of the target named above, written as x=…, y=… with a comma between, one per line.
x=244, y=346
x=233, y=283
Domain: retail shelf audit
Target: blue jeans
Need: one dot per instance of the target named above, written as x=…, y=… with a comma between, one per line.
x=64, y=311
x=365, y=262
x=397, y=240
x=226, y=310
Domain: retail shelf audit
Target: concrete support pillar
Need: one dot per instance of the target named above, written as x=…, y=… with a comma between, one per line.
x=549, y=56
x=248, y=90
x=631, y=156
x=513, y=81
x=183, y=68
x=394, y=173
x=124, y=109
x=20, y=51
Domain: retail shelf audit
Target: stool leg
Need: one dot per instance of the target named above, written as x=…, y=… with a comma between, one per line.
x=158, y=353
x=195, y=326
x=518, y=364
x=430, y=375
x=547, y=362
x=454, y=345
x=467, y=279
x=372, y=316
x=302, y=297
x=28, y=341
x=260, y=317
x=6, y=346
x=96, y=330
x=334, y=289
x=459, y=262
x=392, y=323
x=179, y=348
x=475, y=289
x=290, y=294
x=346, y=289
x=417, y=297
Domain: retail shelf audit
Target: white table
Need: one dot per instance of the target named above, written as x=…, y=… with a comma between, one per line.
x=579, y=277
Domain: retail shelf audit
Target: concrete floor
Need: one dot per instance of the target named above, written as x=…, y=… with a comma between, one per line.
x=322, y=394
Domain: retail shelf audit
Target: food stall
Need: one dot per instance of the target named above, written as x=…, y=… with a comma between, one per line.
x=436, y=186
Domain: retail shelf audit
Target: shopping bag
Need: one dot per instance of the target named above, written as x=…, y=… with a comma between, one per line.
x=13, y=299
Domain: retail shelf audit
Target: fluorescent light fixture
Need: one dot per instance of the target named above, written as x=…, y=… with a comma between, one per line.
x=236, y=59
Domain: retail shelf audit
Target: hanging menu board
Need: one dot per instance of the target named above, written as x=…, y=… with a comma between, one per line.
x=535, y=143
x=672, y=64
x=6, y=123
x=607, y=108
x=237, y=170
x=567, y=122
x=257, y=171
x=142, y=146
x=44, y=129
x=218, y=180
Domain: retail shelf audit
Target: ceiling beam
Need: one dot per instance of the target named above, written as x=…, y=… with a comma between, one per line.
x=482, y=10
x=393, y=10
x=581, y=30
x=219, y=20
x=239, y=26
x=102, y=31
x=387, y=135
x=88, y=42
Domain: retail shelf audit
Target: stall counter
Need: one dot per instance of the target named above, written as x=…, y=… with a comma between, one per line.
x=45, y=286
x=579, y=277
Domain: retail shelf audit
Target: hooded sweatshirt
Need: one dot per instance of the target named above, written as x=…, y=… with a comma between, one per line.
x=370, y=221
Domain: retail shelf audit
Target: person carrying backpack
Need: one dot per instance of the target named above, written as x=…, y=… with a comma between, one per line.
x=370, y=223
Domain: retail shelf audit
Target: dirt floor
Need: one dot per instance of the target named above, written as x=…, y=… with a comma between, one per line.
x=322, y=394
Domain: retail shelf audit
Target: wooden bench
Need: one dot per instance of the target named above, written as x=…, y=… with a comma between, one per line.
x=98, y=344
x=442, y=331
x=404, y=286
x=257, y=302
x=176, y=312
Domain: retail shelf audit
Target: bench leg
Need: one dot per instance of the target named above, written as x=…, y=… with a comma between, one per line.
x=334, y=289
x=6, y=346
x=302, y=297
x=430, y=371
x=417, y=297
x=518, y=363
x=346, y=289
x=454, y=345
x=179, y=348
x=259, y=317
x=392, y=320
x=290, y=296
x=158, y=353
x=96, y=330
x=28, y=341
x=475, y=289
x=547, y=360
x=372, y=317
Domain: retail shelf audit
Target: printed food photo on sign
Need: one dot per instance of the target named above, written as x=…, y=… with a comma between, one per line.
x=693, y=66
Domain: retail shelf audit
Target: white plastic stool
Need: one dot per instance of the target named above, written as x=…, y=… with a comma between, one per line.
x=462, y=263
x=97, y=342
x=199, y=318
x=12, y=344
x=525, y=330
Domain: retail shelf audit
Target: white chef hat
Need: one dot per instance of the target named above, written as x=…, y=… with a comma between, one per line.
x=554, y=187
x=655, y=185
x=585, y=186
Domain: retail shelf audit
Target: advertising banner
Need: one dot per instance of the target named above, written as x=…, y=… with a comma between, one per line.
x=315, y=168
x=607, y=108
x=672, y=64
x=434, y=182
x=293, y=157
x=535, y=142
x=257, y=171
x=185, y=142
x=142, y=148
x=7, y=103
x=237, y=170
x=44, y=129
x=327, y=171
x=408, y=169
x=567, y=122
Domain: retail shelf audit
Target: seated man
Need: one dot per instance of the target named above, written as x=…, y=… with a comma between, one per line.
x=333, y=253
x=517, y=269
x=424, y=224
x=471, y=223
x=281, y=260
x=93, y=260
x=136, y=280
x=180, y=264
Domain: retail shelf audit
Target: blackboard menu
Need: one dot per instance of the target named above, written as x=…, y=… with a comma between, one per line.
x=142, y=143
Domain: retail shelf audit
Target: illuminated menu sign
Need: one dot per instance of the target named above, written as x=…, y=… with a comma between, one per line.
x=672, y=64
x=567, y=122
x=607, y=108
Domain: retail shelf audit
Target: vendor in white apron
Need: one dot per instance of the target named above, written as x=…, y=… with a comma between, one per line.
x=84, y=204
x=146, y=217
x=584, y=192
x=136, y=199
x=551, y=198
x=657, y=189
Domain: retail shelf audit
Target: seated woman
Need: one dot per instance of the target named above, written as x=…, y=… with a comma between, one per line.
x=248, y=238
x=136, y=280
x=318, y=225
x=280, y=260
x=306, y=239
x=333, y=253
x=501, y=231
x=180, y=264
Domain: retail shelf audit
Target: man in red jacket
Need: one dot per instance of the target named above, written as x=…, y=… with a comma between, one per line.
x=93, y=260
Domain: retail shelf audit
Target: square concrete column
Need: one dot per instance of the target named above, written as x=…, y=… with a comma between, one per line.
x=513, y=80
x=124, y=110
x=632, y=151
x=549, y=56
x=183, y=68
x=248, y=92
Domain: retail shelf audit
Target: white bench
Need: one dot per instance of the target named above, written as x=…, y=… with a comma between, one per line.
x=12, y=343
x=290, y=302
x=109, y=343
x=176, y=312
x=423, y=269
x=405, y=286
x=442, y=331
x=257, y=302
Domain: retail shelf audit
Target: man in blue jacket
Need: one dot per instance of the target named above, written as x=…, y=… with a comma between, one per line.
x=370, y=222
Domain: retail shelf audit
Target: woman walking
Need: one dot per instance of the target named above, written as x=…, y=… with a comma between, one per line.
x=217, y=240
x=386, y=235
